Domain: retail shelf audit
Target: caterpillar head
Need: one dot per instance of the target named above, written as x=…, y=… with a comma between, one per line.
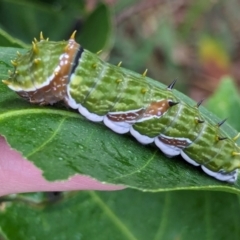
x=41, y=75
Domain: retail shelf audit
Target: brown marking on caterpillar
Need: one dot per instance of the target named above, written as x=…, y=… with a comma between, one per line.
x=154, y=109
x=125, y=117
x=180, y=143
x=56, y=90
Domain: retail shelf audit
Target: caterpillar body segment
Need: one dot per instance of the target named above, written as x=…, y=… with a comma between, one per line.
x=125, y=102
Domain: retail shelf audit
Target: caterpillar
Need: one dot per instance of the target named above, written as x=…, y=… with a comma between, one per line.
x=125, y=102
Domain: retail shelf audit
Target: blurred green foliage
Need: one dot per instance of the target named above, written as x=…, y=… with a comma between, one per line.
x=57, y=19
x=165, y=37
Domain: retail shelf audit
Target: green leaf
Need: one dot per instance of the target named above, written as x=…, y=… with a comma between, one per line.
x=124, y=215
x=97, y=29
x=27, y=18
x=8, y=41
x=94, y=29
x=32, y=18
x=62, y=143
x=225, y=103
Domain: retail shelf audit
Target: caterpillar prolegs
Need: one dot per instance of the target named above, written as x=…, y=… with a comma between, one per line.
x=125, y=101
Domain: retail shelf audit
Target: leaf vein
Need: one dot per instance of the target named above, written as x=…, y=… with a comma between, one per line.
x=138, y=169
x=48, y=140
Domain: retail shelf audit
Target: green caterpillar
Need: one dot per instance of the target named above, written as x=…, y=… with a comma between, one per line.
x=125, y=101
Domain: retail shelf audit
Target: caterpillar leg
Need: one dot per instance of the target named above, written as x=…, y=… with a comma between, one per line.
x=171, y=146
x=188, y=159
x=141, y=138
x=121, y=122
x=118, y=127
x=168, y=150
x=90, y=116
x=69, y=101
x=222, y=175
